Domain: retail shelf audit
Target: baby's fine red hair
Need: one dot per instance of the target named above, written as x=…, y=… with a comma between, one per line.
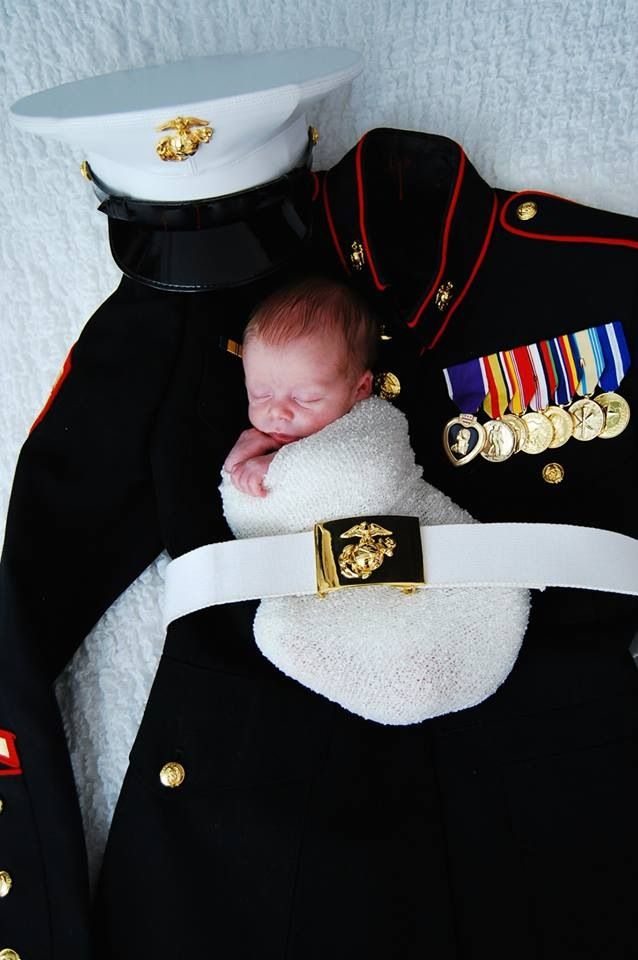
x=317, y=305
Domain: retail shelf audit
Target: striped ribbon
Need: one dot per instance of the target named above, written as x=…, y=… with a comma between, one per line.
x=550, y=368
x=497, y=399
x=566, y=368
x=542, y=395
x=587, y=352
x=514, y=388
x=525, y=373
x=616, y=359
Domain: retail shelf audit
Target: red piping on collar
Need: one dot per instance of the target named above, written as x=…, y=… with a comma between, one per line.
x=66, y=369
x=568, y=238
x=315, y=190
x=10, y=765
x=362, y=222
x=470, y=279
x=331, y=226
x=446, y=235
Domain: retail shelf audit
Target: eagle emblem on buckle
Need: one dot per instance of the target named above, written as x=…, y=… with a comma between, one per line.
x=359, y=564
x=358, y=560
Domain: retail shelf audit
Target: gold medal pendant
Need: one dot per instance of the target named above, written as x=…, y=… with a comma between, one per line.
x=617, y=414
x=562, y=425
x=500, y=441
x=463, y=439
x=519, y=428
x=540, y=432
x=588, y=418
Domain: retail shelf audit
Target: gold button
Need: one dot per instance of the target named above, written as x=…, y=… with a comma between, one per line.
x=527, y=210
x=553, y=473
x=444, y=296
x=1, y=805
x=85, y=170
x=357, y=256
x=387, y=385
x=172, y=775
x=5, y=883
x=9, y=954
x=313, y=135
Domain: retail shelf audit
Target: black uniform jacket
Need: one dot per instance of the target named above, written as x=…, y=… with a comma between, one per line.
x=301, y=831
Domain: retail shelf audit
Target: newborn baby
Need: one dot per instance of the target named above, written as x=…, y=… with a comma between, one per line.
x=322, y=447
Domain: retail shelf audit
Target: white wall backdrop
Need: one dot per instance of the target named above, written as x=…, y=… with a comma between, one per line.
x=542, y=93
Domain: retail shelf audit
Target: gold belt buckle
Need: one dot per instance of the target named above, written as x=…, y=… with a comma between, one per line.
x=377, y=550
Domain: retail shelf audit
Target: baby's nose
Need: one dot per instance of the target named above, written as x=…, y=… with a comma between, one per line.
x=281, y=410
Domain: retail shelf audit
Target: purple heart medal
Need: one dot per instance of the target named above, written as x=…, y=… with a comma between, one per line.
x=464, y=437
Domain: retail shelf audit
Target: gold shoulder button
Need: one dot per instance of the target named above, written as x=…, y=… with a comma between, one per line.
x=5, y=883
x=527, y=210
x=9, y=954
x=171, y=775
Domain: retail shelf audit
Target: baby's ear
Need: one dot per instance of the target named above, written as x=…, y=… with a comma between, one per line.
x=364, y=386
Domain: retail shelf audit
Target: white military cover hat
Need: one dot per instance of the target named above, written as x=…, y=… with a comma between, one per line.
x=201, y=165
x=198, y=128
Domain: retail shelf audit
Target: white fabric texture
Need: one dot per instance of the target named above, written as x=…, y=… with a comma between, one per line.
x=387, y=656
x=541, y=95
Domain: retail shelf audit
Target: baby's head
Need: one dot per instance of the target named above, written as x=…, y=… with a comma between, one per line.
x=308, y=354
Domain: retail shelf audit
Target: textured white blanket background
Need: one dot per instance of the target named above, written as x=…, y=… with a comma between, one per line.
x=542, y=93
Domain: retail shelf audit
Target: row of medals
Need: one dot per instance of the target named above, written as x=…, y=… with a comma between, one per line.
x=604, y=416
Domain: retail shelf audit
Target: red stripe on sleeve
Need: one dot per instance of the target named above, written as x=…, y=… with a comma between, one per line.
x=66, y=369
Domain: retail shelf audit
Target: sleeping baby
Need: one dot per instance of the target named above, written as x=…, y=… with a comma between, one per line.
x=322, y=447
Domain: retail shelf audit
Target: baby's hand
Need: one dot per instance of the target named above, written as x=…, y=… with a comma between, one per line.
x=251, y=443
x=248, y=475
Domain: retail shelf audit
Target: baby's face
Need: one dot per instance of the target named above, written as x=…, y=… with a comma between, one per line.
x=298, y=388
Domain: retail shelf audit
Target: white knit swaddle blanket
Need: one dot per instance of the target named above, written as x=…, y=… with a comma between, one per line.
x=387, y=656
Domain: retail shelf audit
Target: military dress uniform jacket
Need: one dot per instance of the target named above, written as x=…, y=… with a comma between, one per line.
x=299, y=830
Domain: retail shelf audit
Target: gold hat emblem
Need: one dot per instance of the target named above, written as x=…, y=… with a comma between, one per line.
x=358, y=560
x=189, y=134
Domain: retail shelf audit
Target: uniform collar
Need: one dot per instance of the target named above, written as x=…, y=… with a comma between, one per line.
x=410, y=219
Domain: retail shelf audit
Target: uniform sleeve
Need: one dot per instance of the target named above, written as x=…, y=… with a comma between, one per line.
x=82, y=524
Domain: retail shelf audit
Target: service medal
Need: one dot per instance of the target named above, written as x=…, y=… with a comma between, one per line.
x=519, y=427
x=539, y=432
x=617, y=414
x=500, y=441
x=588, y=418
x=562, y=425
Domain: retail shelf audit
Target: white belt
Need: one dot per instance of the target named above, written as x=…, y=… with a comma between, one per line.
x=533, y=555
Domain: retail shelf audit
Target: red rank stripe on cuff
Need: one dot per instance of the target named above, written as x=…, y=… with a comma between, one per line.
x=9, y=759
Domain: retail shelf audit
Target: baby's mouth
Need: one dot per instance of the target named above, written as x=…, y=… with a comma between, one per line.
x=283, y=438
